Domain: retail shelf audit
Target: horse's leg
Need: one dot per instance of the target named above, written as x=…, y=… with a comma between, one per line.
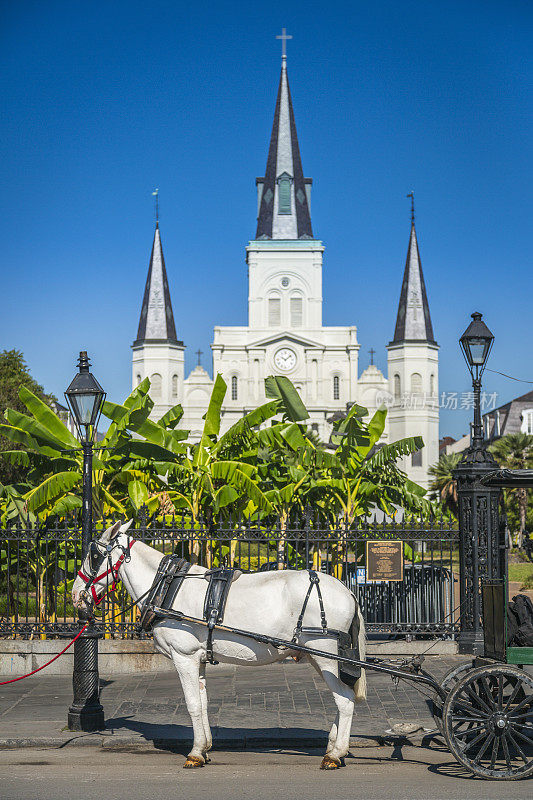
x=332, y=738
x=344, y=700
x=188, y=668
x=205, y=719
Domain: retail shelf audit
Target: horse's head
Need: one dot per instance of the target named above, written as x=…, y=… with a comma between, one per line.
x=96, y=572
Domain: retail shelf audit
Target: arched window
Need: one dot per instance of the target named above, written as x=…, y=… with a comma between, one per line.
x=234, y=388
x=397, y=387
x=274, y=312
x=416, y=459
x=155, y=386
x=174, y=387
x=138, y=379
x=336, y=387
x=432, y=384
x=416, y=383
x=296, y=305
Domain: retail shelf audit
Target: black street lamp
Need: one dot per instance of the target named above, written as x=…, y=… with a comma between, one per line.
x=482, y=553
x=85, y=397
x=476, y=344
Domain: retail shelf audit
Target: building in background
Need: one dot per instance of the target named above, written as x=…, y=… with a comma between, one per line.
x=516, y=416
x=285, y=334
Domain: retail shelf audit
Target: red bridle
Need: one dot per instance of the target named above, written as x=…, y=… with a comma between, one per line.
x=112, y=570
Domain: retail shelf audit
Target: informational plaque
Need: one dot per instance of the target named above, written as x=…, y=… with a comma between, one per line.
x=384, y=561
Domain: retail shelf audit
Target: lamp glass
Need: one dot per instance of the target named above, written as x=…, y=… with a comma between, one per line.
x=478, y=349
x=86, y=407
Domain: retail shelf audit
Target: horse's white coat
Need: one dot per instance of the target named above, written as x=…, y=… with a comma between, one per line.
x=264, y=602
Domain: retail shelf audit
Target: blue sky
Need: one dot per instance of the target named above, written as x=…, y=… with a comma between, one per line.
x=102, y=102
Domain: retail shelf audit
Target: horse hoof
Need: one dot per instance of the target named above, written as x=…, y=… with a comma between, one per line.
x=330, y=763
x=206, y=758
x=193, y=762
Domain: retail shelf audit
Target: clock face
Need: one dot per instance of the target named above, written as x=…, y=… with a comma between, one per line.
x=285, y=359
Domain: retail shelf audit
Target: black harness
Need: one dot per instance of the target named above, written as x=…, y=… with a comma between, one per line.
x=167, y=582
x=173, y=570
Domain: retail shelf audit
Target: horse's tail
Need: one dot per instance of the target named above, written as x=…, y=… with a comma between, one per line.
x=358, y=652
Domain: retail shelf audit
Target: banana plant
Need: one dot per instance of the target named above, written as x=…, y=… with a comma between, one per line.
x=209, y=480
x=127, y=472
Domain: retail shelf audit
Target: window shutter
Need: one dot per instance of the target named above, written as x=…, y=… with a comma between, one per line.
x=284, y=196
x=274, y=312
x=296, y=312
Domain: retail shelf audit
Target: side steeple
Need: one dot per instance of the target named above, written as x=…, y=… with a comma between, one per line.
x=284, y=193
x=156, y=323
x=413, y=322
x=156, y=353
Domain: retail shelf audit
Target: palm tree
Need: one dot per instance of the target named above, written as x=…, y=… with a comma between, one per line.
x=515, y=451
x=444, y=484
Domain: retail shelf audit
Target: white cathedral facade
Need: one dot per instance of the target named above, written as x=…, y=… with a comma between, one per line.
x=285, y=334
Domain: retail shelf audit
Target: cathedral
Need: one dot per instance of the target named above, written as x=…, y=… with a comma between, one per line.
x=285, y=334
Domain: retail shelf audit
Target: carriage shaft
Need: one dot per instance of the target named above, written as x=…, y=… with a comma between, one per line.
x=421, y=677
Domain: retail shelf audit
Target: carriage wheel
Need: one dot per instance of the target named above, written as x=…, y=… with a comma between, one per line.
x=449, y=681
x=488, y=722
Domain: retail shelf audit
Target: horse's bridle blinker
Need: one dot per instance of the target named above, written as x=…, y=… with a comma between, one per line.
x=95, y=560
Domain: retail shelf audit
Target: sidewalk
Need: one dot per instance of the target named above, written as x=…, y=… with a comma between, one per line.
x=280, y=705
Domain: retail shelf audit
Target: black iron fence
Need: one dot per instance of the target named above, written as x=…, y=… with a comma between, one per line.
x=38, y=566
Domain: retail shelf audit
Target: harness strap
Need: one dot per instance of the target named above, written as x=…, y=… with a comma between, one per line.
x=314, y=580
x=112, y=570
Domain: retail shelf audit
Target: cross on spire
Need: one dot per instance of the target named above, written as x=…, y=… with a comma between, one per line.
x=155, y=194
x=199, y=353
x=372, y=354
x=412, y=196
x=284, y=38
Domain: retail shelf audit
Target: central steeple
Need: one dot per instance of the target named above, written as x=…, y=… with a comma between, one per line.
x=284, y=193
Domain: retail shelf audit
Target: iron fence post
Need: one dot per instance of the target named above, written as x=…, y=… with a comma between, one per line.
x=482, y=547
x=86, y=712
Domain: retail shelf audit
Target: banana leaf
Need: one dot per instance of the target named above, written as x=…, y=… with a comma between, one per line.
x=281, y=388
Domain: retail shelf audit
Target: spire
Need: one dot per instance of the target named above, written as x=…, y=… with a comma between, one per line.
x=283, y=192
x=413, y=322
x=157, y=320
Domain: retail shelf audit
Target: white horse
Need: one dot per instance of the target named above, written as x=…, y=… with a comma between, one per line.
x=268, y=603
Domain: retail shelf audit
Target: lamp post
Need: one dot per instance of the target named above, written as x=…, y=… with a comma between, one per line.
x=85, y=398
x=481, y=541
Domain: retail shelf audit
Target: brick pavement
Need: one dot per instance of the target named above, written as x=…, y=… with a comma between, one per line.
x=285, y=703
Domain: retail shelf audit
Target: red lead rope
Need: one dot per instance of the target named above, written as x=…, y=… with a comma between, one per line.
x=97, y=600
x=14, y=680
